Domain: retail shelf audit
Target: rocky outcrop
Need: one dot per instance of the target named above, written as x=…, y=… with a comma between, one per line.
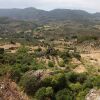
x=93, y=95
x=10, y=91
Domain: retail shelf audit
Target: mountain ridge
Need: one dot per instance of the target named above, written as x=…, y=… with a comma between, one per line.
x=32, y=13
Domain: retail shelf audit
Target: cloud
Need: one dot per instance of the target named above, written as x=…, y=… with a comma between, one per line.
x=89, y=5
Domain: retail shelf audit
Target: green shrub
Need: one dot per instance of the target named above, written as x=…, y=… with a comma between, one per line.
x=87, y=38
x=36, y=66
x=77, y=55
x=15, y=74
x=47, y=81
x=1, y=50
x=74, y=77
x=58, y=81
x=64, y=95
x=23, y=50
x=81, y=95
x=50, y=64
x=65, y=56
x=38, y=50
x=51, y=51
x=71, y=77
x=96, y=81
x=24, y=68
x=4, y=69
x=44, y=93
x=29, y=84
x=75, y=87
x=88, y=84
x=81, y=77
x=61, y=64
x=40, y=94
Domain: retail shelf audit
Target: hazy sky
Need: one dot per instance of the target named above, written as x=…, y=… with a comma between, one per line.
x=88, y=5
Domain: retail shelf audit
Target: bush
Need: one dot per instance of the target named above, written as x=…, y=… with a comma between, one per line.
x=65, y=56
x=44, y=93
x=10, y=58
x=4, y=69
x=81, y=77
x=51, y=51
x=38, y=50
x=96, y=81
x=50, y=64
x=71, y=77
x=30, y=84
x=81, y=95
x=75, y=87
x=77, y=55
x=88, y=84
x=87, y=38
x=23, y=50
x=2, y=60
x=23, y=57
x=74, y=77
x=57, y=81
x=15, y=74
x=64, y=95
x=40, y=94
x=61, y=64
x=36, y=66
x=49, y=91
x=24, y=68
x=47, y=81
x=1, y=50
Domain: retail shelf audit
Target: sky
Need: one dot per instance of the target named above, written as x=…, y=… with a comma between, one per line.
x=88, y=5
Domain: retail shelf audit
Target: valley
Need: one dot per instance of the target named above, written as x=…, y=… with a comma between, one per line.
x=49, y=55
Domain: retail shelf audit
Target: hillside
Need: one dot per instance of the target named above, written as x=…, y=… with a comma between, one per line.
x=49, y=55
x=47, y=16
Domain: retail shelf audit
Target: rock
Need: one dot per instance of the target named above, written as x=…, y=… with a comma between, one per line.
x=93, y=95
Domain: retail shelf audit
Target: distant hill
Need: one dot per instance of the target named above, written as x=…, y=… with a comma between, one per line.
x=18, y=23
x=97, y=16
x=47, y=16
